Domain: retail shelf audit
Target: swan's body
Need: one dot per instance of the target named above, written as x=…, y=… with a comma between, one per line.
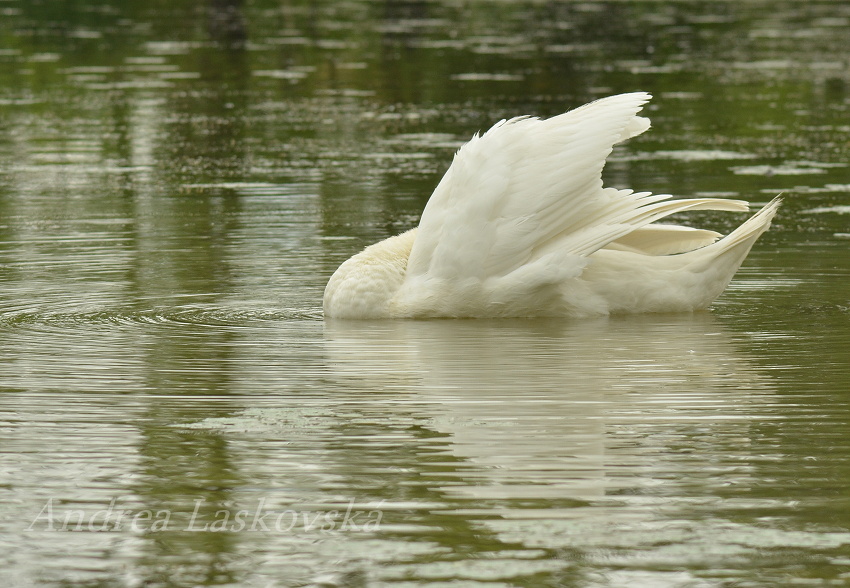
x=521, y=226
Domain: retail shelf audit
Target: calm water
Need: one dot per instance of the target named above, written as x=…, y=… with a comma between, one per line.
x=179, y=179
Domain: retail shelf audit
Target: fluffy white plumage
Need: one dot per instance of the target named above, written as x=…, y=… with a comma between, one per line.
x=520, y=226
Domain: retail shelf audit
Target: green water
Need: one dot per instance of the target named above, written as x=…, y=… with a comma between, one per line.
x=179, y=179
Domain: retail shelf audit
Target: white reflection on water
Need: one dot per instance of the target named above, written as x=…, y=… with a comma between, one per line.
x=552, y=409
x=618, y=440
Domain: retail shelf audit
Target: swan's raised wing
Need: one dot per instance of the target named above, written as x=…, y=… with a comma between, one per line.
x=518, y=186
x=531, y=188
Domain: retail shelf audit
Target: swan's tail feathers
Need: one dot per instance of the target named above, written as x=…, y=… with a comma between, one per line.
x=754, y=227
x=730, y=251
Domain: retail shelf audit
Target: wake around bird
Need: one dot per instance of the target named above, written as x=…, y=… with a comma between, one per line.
x=521, y=226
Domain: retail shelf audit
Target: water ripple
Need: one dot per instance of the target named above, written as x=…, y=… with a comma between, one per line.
x=33, y=319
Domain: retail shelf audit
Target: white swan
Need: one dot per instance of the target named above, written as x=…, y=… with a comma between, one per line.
x=521, y=226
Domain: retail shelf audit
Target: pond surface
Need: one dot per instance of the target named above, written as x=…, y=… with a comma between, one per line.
x=179, y=179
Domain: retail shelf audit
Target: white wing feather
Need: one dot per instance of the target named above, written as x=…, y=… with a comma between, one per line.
x=664, y=240
x=531, y=188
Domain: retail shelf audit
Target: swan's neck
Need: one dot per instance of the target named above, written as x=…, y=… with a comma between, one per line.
x=363, y=286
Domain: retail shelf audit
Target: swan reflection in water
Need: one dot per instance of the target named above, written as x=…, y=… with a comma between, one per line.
x=557, y=409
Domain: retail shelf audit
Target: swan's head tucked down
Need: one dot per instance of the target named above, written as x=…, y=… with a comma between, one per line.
x=363, y=286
